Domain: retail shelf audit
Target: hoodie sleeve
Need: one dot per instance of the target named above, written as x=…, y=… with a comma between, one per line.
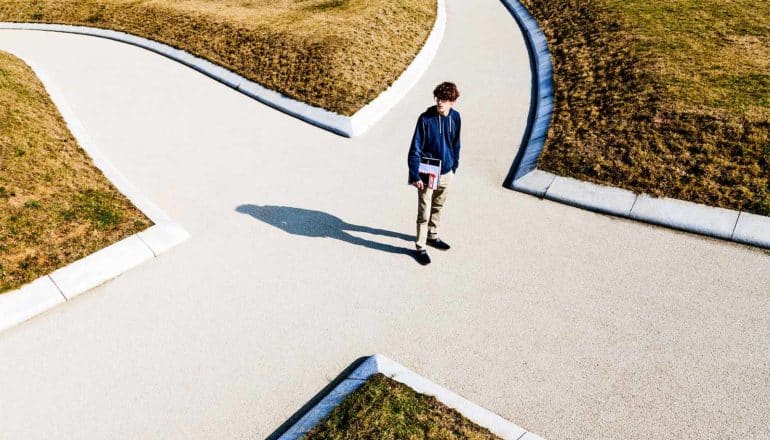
x=415, y=151
x=456, y=145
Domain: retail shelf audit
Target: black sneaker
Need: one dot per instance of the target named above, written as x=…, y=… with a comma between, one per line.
x=438, y=244
x=422, y=257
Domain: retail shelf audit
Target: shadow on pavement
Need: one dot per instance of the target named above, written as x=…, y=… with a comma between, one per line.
x=311, y=223
x=314, y=401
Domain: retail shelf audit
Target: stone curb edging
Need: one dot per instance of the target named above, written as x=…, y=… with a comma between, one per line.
x=89, y=146
x=541, y=106
x=737, y=226
x=740, y=227
x=82, y=275
x=348, y=126
x=380, y=364
x=369, y=114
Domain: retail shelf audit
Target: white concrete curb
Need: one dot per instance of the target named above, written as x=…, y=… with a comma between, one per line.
x=687, y=216
x=737, y=226
x=32, y=299
x=535, y=183
x=381, y=364
x=541, y=106
x=67, y=282
x=348, y=126
x=101, y=266
x=752, y=229
x=363, y=119
x=586, y=195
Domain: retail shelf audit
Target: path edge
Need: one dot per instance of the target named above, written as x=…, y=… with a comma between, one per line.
x=379, y=363
x=541, y=100
x=725, y=224
x=347, y=126
x=732, y=225
x=63, y=284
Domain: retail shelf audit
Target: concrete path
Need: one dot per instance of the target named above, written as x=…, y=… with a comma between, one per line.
x=568, y=323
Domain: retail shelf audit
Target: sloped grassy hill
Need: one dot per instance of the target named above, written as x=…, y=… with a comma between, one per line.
x=668, y=98
x=335, y=54
x=55, y=206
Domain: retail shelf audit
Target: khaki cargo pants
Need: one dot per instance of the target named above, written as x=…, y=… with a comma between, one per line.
x=429, y=204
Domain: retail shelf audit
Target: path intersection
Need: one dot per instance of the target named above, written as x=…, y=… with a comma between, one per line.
x=568, y=323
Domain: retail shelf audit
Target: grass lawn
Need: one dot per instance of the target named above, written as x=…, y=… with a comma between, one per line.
x=384, y=409
x=55, y=206
x=335, y=54
x=671, y=98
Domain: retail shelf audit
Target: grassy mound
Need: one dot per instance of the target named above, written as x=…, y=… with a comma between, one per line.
x=334, y=54
x=667, y=98
x=55, y=207
x=385, y=409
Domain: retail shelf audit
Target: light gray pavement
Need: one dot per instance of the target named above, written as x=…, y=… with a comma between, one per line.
x=568, y=323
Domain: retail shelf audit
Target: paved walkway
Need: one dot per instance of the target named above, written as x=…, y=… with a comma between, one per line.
x=568, y=323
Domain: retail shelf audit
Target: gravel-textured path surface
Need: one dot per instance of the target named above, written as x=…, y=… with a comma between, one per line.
x=568, y=323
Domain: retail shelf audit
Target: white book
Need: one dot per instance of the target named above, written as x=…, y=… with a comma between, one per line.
x=430, y=172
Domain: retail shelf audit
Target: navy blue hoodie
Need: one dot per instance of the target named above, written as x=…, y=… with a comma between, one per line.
x=437, y=137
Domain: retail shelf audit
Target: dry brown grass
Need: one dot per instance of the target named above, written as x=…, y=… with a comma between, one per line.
x=385, y=409
x=335, y=54
x=55, y=206
x=670, y=98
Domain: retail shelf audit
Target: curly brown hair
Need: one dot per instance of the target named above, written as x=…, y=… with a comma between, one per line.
x=446, y=91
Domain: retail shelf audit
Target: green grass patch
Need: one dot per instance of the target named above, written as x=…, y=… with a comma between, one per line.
x=55, y=206
x=668, y=98
x=388, y=410
x=334, y=54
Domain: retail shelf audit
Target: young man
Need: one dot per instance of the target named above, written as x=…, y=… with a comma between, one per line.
x=437, y=136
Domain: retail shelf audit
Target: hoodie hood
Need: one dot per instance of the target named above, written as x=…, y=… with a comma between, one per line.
x=432, y=112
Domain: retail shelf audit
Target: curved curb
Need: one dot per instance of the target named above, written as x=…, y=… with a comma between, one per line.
x=369, y=114
x=737, y=226
x=380, y=364
x=348, y=126
x=82, y=275
x=541, y=103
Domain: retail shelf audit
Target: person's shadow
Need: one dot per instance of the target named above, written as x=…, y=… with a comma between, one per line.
x=311, y=223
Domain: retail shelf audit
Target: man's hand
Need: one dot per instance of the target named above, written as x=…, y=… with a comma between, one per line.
x=418, y=184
